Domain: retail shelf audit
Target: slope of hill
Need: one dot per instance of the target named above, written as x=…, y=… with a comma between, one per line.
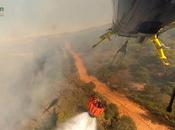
x=139, y=75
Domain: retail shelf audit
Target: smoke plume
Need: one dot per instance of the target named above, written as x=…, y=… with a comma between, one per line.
x=30, y=74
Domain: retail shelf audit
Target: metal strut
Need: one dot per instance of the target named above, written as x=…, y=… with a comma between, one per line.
x=103, y=37
x=159, y=47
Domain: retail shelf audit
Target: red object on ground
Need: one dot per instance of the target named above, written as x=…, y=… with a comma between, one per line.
x=95, y=107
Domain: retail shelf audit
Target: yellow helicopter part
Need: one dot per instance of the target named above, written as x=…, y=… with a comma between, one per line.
x=103, y=37
x=161, y=53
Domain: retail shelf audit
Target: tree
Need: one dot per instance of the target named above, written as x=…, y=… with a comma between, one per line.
x=111, y=112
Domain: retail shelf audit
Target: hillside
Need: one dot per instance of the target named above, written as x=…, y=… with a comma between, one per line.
x=129, y=83
x=139, y=74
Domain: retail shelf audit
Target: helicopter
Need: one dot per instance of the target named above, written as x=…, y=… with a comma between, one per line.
x=143, y=20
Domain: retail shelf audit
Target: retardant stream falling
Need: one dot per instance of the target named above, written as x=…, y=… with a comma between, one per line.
x=141, y=116
x=80, y=122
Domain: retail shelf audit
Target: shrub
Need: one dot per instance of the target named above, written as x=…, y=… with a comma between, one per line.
x=111, y=112
x=125, y=123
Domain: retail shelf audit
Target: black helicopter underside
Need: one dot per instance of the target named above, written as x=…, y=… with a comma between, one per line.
x=133, y=18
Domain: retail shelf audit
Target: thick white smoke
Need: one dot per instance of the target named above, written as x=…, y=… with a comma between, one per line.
x=80, y=122
x=30, y=74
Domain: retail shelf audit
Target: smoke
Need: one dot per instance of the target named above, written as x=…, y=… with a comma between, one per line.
x=80, y=122
x=30, y=75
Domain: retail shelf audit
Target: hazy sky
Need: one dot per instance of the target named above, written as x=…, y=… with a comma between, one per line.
x=23, y=18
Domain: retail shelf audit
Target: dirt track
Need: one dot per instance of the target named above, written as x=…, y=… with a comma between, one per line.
x=141, y=116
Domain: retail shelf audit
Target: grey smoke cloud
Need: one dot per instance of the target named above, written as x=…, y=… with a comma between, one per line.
x=30, y=74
